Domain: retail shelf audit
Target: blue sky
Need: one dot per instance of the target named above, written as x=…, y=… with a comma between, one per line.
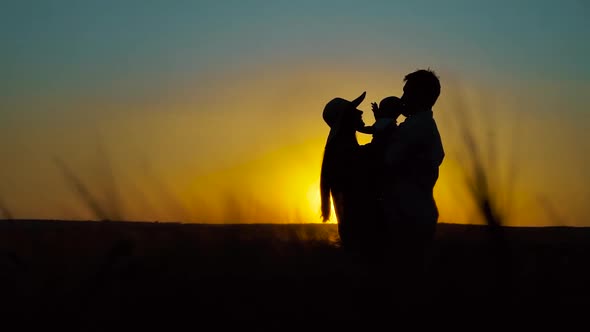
x=62, y=39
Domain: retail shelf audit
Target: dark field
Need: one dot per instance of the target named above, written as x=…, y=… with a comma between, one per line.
x=113, y=275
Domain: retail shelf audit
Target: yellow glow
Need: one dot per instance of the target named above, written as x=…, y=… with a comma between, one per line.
x=246, y=147
x=315, y=201
x=313, y=196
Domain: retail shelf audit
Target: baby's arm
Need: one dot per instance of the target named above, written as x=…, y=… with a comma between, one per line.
x=367, y=130
x=375, y=109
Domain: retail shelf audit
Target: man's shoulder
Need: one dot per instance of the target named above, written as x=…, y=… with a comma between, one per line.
x=422, y=119
x=423, y=116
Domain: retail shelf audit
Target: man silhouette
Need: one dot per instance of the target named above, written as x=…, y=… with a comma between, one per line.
x=412, y=158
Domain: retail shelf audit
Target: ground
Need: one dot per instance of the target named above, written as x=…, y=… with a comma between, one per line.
x=107, y=275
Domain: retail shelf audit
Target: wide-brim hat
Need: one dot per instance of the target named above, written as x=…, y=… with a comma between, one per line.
x=336, y=107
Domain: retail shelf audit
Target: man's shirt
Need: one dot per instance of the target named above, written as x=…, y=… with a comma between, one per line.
x=412, y=158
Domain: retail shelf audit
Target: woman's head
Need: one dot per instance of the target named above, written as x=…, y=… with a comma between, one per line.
x=340, y=113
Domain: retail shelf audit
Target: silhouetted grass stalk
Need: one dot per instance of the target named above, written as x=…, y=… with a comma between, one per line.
x=4, y=211
x=110, y=185
x=82, y=191
x=492, y=196
x=104, y=198
x=166, y=195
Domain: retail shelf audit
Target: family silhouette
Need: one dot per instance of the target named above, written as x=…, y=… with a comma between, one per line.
x=382, y=191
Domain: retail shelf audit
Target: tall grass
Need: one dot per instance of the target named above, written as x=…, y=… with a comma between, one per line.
x=83, y=191
x=491, y=191
x=5, y=213
x=104, y=199
x=165, y=194
x=550, y=211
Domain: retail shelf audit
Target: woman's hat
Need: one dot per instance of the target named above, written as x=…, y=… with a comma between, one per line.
x=334, y=108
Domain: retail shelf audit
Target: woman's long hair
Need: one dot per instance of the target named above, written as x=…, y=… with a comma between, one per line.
x=326, y=182
x=342, y=135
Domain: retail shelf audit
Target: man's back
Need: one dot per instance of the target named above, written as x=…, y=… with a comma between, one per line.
x=413, y=157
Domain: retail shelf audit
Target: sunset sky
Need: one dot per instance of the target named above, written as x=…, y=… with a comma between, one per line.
x=210, y=111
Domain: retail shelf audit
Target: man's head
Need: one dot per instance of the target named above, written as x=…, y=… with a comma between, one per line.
x=421, y=91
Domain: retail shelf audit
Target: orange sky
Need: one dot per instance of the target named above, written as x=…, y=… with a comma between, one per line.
x=254, y=156
x=210, y=111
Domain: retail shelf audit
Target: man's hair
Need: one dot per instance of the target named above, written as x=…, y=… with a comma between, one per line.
x=427, y=81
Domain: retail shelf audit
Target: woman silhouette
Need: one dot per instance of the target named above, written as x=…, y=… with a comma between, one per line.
x=347, y=177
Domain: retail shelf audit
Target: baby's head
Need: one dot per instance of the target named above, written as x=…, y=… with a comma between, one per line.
x=390, y=107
